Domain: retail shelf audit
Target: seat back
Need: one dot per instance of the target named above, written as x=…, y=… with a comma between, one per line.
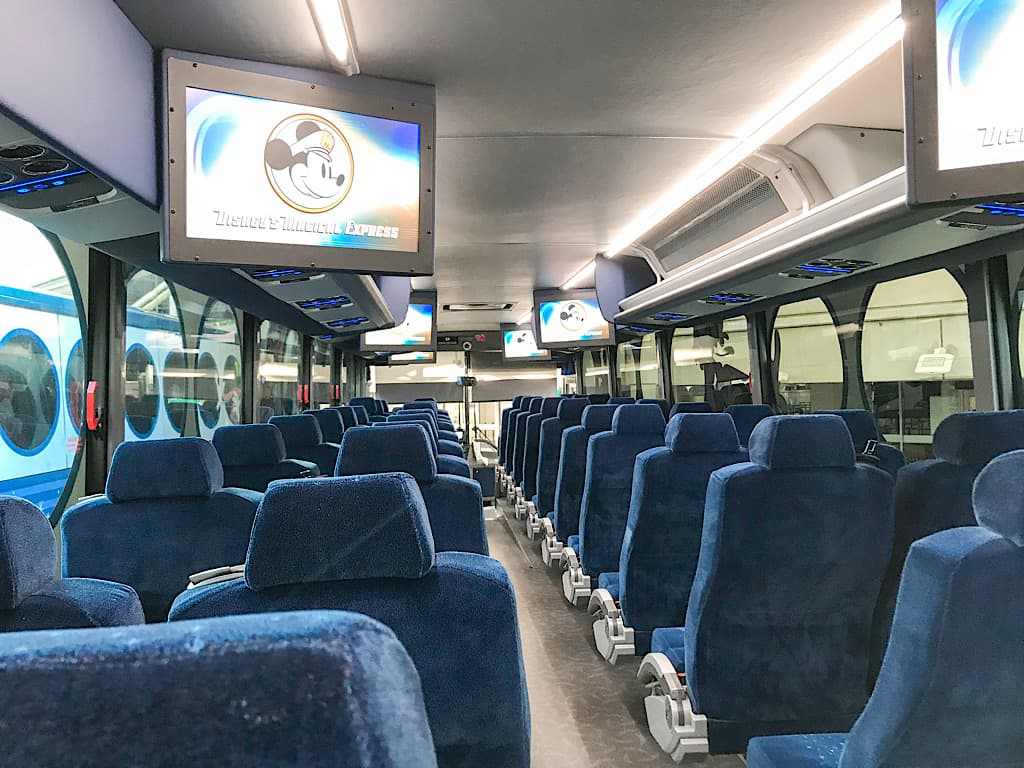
x=548, y=410
x=572, y=467
x=569, y=414
x=446, y=464
x=372, y=406
x=663, y=404
x=362, y=415
x=368, y=549
x=863, y=428
x=416, y=417
x=331, y=425
x=956, y=656
x=303, y=440
x=455, y=504
x=935, y=495
x=155, y=527
x=508, y=432
x=531, y=406
x=348, y=416
x=690, y=408
x=599, y=399
x=746, y=417
x=609, y=482
x=621, y=401
x=793, y=549
x=239, y=692
x=666, y=515
x=253, y=456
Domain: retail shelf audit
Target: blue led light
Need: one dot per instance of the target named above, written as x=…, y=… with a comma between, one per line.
x=48, y=179
x=669, y=316
x=347, y=322
x=729, y=299
x=40, y=186
x=1001, y=210
x=276, y=273
x=59, y=183
x=23, y=191
x=824, y=270
x=336, y=301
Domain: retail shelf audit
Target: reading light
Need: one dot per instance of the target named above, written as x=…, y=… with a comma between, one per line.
x=836, y=67
x=580, y=277
x=332, y=23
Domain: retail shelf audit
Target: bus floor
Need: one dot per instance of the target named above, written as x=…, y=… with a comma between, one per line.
x=584, y=712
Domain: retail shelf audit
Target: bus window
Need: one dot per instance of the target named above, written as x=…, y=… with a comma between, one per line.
x=639, y=368
x=280, y=350
x=807, y=358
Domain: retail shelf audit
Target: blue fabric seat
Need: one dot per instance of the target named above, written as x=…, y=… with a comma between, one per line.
x=304, y=441
x=444, y=446
x=253, y=456
x=663, y=404
x=154, y=527
x=446, y=464
x=455, y=504
x=508, y=431
x=621, y=401
x=690, y=408
x=863, y=428
x=607, y=487
x=949, y=691
x=30, y=595
x=569, y=414
x=331, y=425
x=670, y=641
x=531, y=459
x=935, y=495
x=373, y=410
x=442, y=425
x=572, y=467
x=298, y=690
x=348, y=416
x=666, y=515
x=368, y=549
x=599, y=399
x=532, y=405
x=362, y=415
x=746, y=417
x=794, y=546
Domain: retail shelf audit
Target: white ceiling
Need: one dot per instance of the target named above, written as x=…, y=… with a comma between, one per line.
x=558, y=120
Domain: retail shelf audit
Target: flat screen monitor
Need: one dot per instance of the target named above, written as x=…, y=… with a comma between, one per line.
x=263, y=170
x=965, y=122
x=418, y=332
x=519, y=344
x=408, y=358
x=569, y=319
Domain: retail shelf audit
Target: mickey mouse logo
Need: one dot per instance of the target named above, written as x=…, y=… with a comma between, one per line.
x=573, y=317
x=309, y=163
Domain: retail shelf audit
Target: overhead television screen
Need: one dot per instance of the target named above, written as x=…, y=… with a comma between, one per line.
x=416, y=332
x=263, y=170
x=572, y=320
x=965, y=127
x=405, y=358
x=519, y=344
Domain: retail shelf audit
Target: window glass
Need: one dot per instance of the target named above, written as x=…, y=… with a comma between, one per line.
x=639, y=368
x=687, y=367
x=712, y=364
x=595, y=371
x=156, y=370
x=42, y=367
x=280, y=350
x=916, y=358
x=218, y=360
x=807, y=357
x=323, y=354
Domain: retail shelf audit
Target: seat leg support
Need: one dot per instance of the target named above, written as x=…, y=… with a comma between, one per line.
x=679, y=731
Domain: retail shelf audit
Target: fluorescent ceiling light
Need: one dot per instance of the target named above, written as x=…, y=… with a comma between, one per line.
x=581, y=276
x=525, y=318
x=332, y=23
x=836, y=67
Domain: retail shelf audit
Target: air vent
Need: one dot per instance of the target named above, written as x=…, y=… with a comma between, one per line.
x=479, y=306
x=640, y=329
x=35, y=176
x=283, y=275
x=670, y=317
x=826, y=268
x=729, y=299
x=333, y=302
x=347, y=322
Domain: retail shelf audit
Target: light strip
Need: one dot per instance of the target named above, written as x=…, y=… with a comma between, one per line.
x=331, y=17
x=525, y=318
x=580, y=277
x=835, y=68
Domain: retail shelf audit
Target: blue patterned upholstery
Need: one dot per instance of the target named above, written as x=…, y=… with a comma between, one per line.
x=457, y=620
x=569, y=414
x=663, y=404
x=666, y=515
x=690, y=408
x=331, y=425
x=509, y=431
x=253, y=456
x=671, y=641
x=609, y=482
x=815, y=750
x=372, y=406
x=154, y=527
x=298, y=690
x=531, y=460
x=362, y=415
x=30, y=596
x=572, y=466
x=348, y=416
x=446, y=464
x=455, y=504
x=304, y=441
x=621, y=401
x=746, y=417
x=863, y=428
x=530, y=406
x=935, y=495
x=793, y=550
x=599, y=399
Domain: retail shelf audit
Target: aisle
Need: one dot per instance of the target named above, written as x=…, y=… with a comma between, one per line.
x=585, y=713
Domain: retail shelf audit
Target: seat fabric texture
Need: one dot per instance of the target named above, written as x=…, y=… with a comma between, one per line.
x=746, y=417
x=519, y=450
x=572, y=466
x=863, y=428
x=303, y=440
x=331, y=425
x=253, y=456
x=569, y=414
x=531, y=460
x=690, y=408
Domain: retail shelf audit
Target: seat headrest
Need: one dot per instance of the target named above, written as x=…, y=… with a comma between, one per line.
x=598, y=418
x=401, y=448
x=536, y=404
x=861, y=424
x=184, y=467
x=248, y=444
x=371, y=405
x=331, y=426
x=300, y=431
x=348, y=416
x=572, y=410
x=362, y=416
x=663, y=404
x=622, y=401
x=819, y=441
x=977, y=438
x=517, y=401
x=422, y=413
x=421, y=405
x=747, y=416
x=599, y=399
x=702, y=433
x=691, y=408
x=415, y=417
x=339, y=529
x=422, y=427
x=999, y=496
x=28, y=551
x=638, y=420
x=549, y=407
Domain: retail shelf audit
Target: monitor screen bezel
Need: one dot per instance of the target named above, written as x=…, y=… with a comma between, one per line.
x=431, y=360
x=540, y=297
x=927, y=185
x=419, y=297
x=518, y=359
x=182, y=73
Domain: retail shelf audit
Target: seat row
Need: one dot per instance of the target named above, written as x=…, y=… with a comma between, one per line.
x=777, y=557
